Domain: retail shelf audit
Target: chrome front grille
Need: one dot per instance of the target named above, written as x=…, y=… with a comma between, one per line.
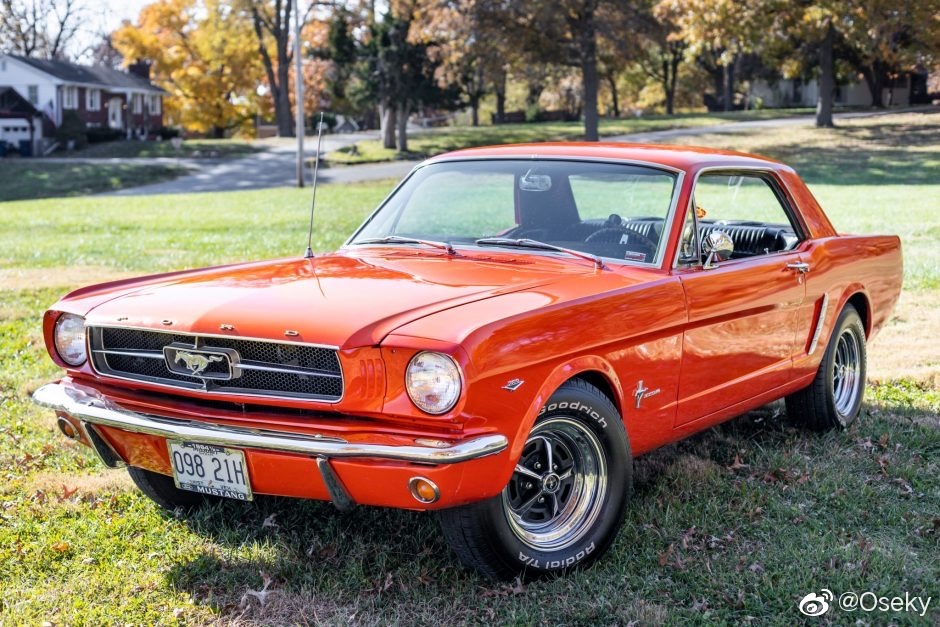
x=262, y=368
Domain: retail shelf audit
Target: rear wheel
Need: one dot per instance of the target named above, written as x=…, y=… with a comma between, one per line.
x=565, y=501
x=834, y=398
x=161, y=490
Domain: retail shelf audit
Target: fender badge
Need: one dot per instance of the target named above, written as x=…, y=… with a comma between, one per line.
x=226, y=327
x=642, y=392
x=513, y=385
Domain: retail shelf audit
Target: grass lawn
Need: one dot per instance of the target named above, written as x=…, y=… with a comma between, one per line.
x=22, y=179
x=435, y=141
x=732, y=526
x=190, y=149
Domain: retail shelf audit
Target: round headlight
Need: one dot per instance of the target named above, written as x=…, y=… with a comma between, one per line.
x=70, y=339
x=433, y=382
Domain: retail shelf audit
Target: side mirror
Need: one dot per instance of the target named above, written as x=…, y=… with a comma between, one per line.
x=717, y=246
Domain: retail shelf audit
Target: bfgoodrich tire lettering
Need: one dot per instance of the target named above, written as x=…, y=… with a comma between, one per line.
x=834, y=398
x=566, y=501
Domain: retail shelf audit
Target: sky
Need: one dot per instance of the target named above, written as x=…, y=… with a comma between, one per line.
x=105, y=16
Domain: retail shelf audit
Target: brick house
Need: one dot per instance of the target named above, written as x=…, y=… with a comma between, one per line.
x=101, y=96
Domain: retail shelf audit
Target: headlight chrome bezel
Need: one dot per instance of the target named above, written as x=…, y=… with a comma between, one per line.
x=457, y=378
x=64, y=348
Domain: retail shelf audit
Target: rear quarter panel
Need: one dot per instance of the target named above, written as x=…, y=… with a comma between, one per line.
x=843, y=267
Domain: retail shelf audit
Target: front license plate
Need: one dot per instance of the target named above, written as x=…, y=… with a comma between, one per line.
x=210, y=470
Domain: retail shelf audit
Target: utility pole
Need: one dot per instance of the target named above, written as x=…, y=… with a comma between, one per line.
x=299, y=95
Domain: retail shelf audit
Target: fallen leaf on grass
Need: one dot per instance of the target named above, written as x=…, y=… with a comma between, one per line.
x=67, y=492
x=269, y=522
x=507, y=589
x=261, y=595
x=738, y=464
x=664, y=557
x=61, y=547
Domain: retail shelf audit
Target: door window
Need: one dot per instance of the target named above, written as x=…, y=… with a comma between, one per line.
x=746, y=207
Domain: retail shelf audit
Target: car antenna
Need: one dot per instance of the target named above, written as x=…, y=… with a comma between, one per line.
x=313, y=201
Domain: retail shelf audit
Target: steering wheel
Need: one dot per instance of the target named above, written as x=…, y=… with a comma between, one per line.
x=636, y=241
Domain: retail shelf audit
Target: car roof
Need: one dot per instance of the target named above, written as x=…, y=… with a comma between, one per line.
x=679, y=157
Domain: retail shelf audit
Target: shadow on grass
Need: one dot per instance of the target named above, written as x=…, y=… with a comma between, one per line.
x=721, y=520
x=884, y=156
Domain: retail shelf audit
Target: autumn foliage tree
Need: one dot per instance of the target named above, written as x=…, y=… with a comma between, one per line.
x=202, y=53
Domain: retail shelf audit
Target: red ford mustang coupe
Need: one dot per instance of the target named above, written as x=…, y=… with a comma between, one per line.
x=497, y=342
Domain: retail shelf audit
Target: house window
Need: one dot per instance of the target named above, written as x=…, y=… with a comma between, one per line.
x=138, y=105
x=93, y=99
x=33, y=94
x=70, y=98
x=154, y=105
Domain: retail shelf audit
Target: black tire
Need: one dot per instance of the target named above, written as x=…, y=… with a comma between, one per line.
x=834, y=398
x=161, y=490
x=584, y=495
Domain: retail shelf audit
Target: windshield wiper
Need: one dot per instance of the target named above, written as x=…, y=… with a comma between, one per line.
x=396, y=239
x=532, y=243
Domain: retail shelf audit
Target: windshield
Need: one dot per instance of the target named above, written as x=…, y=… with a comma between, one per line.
x=616, y=211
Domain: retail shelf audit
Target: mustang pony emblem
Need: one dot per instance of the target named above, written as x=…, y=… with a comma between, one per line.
x=196, y=363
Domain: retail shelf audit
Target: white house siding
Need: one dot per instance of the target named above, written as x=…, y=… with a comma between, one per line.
x=20, y=77
x=789, y=93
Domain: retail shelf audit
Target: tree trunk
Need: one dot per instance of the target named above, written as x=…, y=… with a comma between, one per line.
x=614, y=97
x=727, y=86
x=874, y=78
x=675, y=58
x=475, y=111
x=588, y=50
x=282, y=110
x=388, y=127
x=402, y=115
x=826, y=80
x=499, y=86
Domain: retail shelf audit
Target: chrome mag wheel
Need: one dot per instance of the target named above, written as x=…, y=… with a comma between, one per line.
x=559, y=485
x=846, y=372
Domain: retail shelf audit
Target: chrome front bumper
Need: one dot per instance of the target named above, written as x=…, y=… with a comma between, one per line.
x=90, y=407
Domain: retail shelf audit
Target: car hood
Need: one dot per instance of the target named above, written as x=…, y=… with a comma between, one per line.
x=344, y=299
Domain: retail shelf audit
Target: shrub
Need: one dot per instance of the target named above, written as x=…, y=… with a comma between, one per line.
x=166, y=132
x=99, y=135
x=73, y=128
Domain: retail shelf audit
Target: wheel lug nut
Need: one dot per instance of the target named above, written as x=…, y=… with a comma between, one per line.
x=541, y=499
x=528, y=486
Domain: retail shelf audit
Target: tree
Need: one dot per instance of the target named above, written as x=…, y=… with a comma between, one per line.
x=721, y=32
x=39, y=28
x=885, y=35
x=271, y=20
x=202, y=53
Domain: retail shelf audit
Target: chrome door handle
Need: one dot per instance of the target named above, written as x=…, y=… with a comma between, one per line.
x=799, y=266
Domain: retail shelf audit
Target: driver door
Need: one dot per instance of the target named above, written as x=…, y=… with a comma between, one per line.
x=742, y=314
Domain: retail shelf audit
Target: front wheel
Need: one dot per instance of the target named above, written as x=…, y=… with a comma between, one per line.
x=834, y=398
x=566, y=499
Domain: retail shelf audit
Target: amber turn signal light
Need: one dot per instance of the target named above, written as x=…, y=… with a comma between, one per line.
x=424, y=490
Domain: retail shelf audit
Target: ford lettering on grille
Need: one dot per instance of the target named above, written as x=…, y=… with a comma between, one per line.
x=217, y=364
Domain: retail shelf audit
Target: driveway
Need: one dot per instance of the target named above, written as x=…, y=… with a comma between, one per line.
x=276, y=166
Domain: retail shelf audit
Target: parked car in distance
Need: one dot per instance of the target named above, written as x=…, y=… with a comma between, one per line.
x=497, y=343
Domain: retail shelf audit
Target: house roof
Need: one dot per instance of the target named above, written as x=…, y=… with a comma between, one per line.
x=88, y=74
x=12, y=104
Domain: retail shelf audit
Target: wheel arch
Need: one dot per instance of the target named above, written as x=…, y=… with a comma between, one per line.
x=590, y=368
x=856, y=296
